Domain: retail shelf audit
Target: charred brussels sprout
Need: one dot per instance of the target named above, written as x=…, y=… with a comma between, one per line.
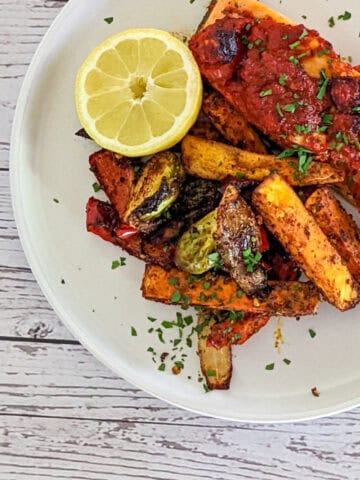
x=156, y=190
x=193, y=250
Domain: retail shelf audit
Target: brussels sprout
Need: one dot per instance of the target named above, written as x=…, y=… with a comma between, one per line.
x=156, y=189
x=193, y=250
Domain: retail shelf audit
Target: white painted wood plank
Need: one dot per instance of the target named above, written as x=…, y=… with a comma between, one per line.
x=24, y=312
x=50, y=448
x=22, y=26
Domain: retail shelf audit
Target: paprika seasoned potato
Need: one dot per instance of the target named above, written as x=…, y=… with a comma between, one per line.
x=219, y=292
x=215, y=161
x=338, y=225
x=232, y=125
x=287, y=218
x=215, y=363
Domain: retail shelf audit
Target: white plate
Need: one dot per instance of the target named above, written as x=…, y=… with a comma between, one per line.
x=99, y=305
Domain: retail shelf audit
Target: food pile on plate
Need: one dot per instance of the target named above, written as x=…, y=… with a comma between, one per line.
x=228, y=193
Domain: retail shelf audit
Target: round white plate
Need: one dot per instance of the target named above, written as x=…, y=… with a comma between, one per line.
x=100, y=305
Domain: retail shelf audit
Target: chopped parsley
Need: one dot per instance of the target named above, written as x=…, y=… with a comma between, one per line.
x=294, y=60
x=321, y=53
x=55, y=200
x=270, y=366
x=118, y=263
x=173, y=281
x=345, y=16
x=265, y=93
x=312, y=333
x=206, y=388
x=282, y=79
x=304, y=156
x=96, y=187
x=133, y=332
x=331, y=22
x=278, y=109
x=215, y=259
x=291, y=107
x=250, y=259
x=294, y=45
x=162, y=367
x=210, y=373
x=305, y=129
x=109, y=20
x=287, y=361
x=323, y=83
x=356, y=109
x=175, y=297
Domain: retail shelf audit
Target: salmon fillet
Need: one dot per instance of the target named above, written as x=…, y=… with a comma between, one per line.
x=285, y=79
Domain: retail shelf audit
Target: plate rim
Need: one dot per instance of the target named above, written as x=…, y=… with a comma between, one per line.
x=50, y=294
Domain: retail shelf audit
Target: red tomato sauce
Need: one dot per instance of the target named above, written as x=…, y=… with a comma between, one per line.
x=259, y=67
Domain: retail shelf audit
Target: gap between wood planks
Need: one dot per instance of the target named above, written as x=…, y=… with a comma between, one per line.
x=57, y=341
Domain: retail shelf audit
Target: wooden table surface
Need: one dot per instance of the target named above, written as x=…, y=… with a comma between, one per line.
x=65, y=416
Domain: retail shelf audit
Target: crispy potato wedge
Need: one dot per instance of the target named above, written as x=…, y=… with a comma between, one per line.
x=214, y=161
x=338, y=225
x=215, y=363
x=287, y=218
x=232, y=125
x=204, y=128
x=219, y=292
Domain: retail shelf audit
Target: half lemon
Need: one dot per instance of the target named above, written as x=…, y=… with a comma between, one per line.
x=139, y=92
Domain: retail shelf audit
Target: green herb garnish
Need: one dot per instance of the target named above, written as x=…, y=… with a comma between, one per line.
x=331, y=22
x=282, y=79
x=345, y=16
x=250, y=259
x=312, y=333
x=96, y=187
x=323, y=83
x=265, y=93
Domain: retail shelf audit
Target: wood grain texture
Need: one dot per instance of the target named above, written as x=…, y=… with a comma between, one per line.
x=65, y=416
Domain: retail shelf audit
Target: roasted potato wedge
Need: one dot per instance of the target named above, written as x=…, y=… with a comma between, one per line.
x=215, y=363
x=205, y=129
x=338, y=225
x=215, y=161
x=232, y=125
x=220, y=292
x=287, y=218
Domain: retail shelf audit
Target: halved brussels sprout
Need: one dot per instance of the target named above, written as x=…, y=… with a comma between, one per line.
x=156, y=189
x=194, y=249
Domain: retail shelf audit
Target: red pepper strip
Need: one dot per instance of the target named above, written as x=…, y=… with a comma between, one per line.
x=265, y=245
x=125, y=231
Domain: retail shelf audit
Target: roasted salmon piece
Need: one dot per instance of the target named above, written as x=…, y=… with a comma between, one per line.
x=284, y=78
